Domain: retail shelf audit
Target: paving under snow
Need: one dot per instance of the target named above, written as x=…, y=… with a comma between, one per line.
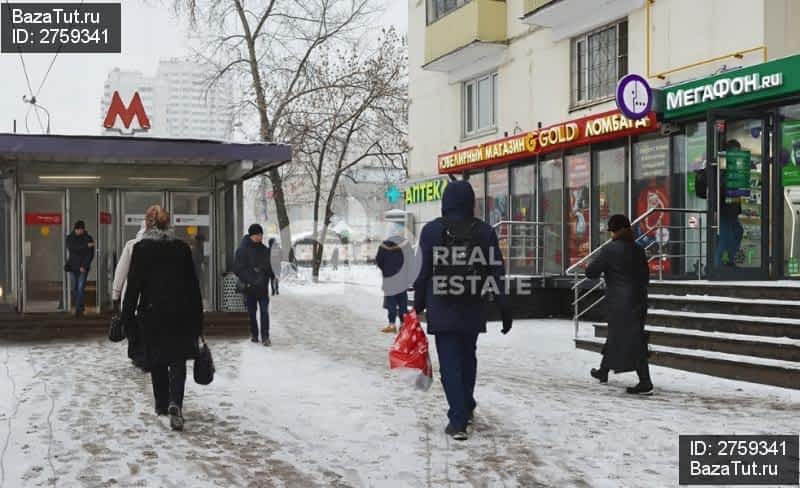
x=320, y=408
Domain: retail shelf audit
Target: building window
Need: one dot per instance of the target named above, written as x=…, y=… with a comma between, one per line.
x=480, y=105
x=599, y=60
x=439, y=8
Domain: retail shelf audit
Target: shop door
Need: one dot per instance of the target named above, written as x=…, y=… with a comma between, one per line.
x=191, y=219
x=43, y=249
x=107, y=248
x=738, y=195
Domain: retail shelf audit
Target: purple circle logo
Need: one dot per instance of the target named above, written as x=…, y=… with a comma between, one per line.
x=634, y=96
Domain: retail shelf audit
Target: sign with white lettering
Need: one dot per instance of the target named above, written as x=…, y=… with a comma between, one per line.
x=752, y=84
x=188, y=220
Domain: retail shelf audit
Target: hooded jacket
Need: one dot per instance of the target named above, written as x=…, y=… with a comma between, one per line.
x=124, y=265
x=252, y=265
x=81, y=253
x=458, y=202
x=391, y=260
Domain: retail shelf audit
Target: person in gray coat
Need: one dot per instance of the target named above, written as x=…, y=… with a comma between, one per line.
x=624, y=265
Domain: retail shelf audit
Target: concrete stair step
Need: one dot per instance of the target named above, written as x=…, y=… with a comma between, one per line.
x=726, y=305
x=731, y=324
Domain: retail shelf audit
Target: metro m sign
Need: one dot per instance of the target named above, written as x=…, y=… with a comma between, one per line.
x=117, y=109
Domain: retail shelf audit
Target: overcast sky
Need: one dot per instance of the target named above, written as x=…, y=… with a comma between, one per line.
x=74, y=88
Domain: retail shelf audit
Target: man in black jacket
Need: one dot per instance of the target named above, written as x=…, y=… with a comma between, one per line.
x=81, y=253
x=253, y=268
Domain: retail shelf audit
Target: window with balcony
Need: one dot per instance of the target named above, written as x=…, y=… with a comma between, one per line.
x=439, y=8
x=480, y=105
x=599, y=60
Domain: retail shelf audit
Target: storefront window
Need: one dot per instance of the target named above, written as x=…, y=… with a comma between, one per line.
x=578, y=206
x=551, y=208
x=523, y=246
x=690, y=160
x=651, y=189
x=788, y=158
x=497, y=195
x=477, y=180
x=609, y=190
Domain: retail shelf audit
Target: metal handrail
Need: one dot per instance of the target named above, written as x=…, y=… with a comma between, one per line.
x=537, y=247
x=575, y=268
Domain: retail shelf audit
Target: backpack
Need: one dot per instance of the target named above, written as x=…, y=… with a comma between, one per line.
x=453, y=278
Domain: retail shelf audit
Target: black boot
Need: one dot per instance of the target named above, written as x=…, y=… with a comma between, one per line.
x=641, y=389
x=645, y=386
x=600, y=374
x=456, y=433
x=175, y=417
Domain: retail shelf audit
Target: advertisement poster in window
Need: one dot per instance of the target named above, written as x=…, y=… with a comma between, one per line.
x=578, y=215
x=651, y=190
x=790, y=153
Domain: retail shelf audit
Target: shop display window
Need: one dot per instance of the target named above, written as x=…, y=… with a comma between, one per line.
x=551, y=208
x=578, y=218
x=609, y=190
x=788, y=158
x=523, y=246
x=477, y=180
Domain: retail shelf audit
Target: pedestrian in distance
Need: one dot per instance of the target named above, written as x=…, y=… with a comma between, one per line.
x=394, y=259
x=252, y=265
x=80, y=247
x=623, y=263
x=275, y=261
x=163, y=298
x=118, y=287
x=453, y=295
x=335, y=258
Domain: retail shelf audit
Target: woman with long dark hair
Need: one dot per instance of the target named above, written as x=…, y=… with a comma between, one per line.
x=169, y=314
x=627, y=275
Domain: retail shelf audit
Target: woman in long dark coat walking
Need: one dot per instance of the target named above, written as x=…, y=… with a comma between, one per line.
x=163, y=282
x=624, y=264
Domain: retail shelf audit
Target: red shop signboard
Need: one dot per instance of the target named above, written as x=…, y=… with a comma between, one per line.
x=592, y=129
x=42, y=218
x=105, y=218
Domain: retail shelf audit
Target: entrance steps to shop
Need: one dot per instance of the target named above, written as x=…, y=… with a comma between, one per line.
x=741, y=331
x=45, y=326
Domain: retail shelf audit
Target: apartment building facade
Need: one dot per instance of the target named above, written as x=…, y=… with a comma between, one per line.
x=519, y=96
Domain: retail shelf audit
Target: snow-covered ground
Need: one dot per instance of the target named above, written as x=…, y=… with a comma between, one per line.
x=321, y=408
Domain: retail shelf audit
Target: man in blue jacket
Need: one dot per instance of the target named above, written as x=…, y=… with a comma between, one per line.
x=80, y=246
x=456, y=308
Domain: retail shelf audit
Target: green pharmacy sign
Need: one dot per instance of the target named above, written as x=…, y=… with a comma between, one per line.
x=426, y=191
x=746, y=85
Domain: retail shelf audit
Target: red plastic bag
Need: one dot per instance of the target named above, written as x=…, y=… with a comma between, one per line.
x=410, y=352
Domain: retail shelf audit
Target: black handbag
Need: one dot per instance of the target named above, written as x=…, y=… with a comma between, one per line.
x=116, y=331
x=204, y=365
x=242, y=287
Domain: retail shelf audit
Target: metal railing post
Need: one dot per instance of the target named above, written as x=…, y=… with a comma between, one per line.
x=576, y=315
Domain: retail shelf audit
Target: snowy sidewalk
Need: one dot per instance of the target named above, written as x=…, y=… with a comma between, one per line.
x=320, y=408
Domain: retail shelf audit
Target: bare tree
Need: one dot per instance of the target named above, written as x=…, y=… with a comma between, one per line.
x=362, y=116
x=270, y=46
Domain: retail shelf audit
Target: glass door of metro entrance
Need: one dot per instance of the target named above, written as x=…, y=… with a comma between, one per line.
x=106, y=245
x=738, y=195
x=43, y=250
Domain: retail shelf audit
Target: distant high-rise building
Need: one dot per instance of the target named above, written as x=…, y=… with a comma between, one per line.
x=179, y=100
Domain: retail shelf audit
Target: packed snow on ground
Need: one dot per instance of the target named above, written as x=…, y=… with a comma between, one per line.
x=321, y=408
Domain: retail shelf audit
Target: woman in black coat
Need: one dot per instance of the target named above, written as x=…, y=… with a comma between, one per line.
x=624, y=264
x=163, y=282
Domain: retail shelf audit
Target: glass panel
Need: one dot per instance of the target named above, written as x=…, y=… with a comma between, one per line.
x=740, y=219
x=690, y=158
x=134, y=205
x=651, y=189
x=7, y=295
x=43, y=248
x=484, y=103
x=578, y=201
x=469, y=101
x=191, y=218
x=497, y=194
x=479, y=187
x=609, y=194
x=551, y=210
x=523, y=245
x=106, y=247
x=789, y=160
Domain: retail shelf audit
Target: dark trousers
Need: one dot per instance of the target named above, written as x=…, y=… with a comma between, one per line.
x=643, y=371
x=396, y=306
x=169, y=381
x=273, y=282
x=459, y=366
x=78, y=288
x=255, y=303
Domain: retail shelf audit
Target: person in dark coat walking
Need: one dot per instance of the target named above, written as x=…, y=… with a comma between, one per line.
x=624, y=265
x=80, y=246
x=275, y=261
x=253, y=267
x=163, y=282
x=456, y=325
x=393, y=254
